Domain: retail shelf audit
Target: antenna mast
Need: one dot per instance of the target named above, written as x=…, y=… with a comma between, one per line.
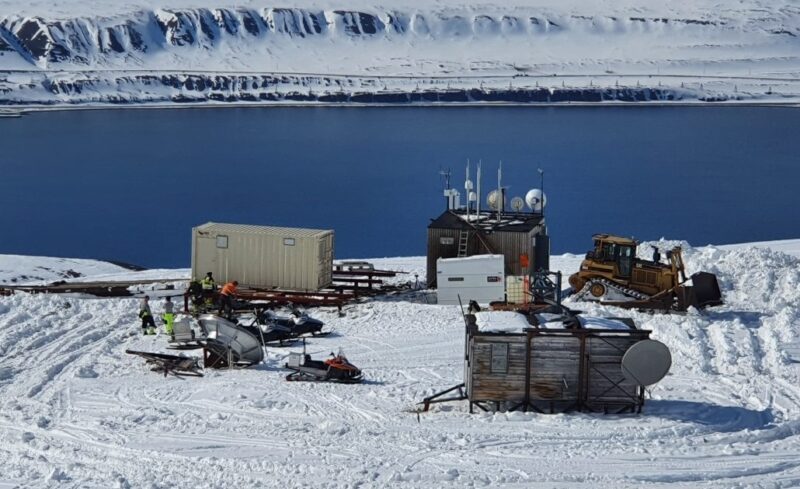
x=447, y=193
x=541, y=187
x=499, y=190
x=467, y=188
x=479, y=190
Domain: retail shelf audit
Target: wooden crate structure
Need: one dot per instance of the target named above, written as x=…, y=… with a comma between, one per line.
x=551, y=370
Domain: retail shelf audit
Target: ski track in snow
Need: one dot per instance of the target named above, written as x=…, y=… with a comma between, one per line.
x=75, y=410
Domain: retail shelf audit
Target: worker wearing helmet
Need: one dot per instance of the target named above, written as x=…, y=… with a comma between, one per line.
x=208, y=282
x=226, y=297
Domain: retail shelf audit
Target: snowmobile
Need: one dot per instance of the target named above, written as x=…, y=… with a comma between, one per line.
x=298, y=322
x=335, y=369
x=270, y=333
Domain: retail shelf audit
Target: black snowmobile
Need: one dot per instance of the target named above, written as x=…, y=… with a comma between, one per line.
x=270, y=333
x=335, y=369
x=298, y=322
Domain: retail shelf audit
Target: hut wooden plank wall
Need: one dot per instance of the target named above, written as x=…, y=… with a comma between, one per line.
x=520, y=237
x=551, y=370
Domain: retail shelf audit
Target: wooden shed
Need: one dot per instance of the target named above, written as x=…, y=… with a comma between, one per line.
x=551, y=370
x=519, y=236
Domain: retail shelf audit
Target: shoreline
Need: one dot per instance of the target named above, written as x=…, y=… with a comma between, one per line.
x=14, y=111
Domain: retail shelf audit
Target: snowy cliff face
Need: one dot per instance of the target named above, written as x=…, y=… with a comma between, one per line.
x=609, y=45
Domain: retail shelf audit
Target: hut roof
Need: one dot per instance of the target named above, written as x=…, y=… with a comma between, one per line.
x=515, y=222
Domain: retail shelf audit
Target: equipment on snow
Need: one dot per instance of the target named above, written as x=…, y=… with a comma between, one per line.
x=335, y=369
x=177, y=365
x=612, y=274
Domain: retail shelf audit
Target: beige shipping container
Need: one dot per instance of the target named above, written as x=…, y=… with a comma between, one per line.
x=263, y=256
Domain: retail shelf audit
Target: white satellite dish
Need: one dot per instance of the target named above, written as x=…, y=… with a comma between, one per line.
x=468, y=185
x=493, y=199
x=536, y=199
x=646, y=362
x=473, y=197
x=517, y=204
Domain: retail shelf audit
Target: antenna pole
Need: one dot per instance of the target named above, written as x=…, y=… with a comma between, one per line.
x=466, y=189
x=479, y=190
x=541, y=187
x=499, y=189
x=448, y=197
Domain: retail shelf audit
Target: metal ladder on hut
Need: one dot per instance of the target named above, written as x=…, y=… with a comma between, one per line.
x=463, y=243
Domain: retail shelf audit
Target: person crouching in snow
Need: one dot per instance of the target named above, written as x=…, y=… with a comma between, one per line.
x=146, y=315
x=169, y=315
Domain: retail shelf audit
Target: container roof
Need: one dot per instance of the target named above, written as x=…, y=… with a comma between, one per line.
x=220, y=227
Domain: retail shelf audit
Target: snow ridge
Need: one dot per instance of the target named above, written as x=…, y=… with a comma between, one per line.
x=103, y=41
x=519, y=54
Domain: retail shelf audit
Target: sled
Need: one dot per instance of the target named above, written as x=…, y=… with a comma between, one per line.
x=177, y=365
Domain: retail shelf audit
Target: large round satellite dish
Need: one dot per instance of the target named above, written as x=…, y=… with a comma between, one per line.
x=646, y=362
x=517, y=203
x=493, y=199
x=536, y=199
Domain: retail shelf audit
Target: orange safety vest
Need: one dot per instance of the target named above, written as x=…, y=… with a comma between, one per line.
x=229, y=289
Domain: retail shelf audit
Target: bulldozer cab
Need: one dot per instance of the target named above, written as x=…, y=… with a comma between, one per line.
x=620, y=251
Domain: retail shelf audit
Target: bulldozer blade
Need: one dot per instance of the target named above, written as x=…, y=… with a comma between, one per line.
x=704, y=291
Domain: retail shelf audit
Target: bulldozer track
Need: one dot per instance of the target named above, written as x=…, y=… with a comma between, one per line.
x=585, y=293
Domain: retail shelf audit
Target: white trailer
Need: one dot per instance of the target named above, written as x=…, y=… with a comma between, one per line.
x=263, y=256
x=480, y=278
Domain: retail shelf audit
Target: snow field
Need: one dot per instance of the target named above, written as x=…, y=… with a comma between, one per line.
x=100, y=52
x=75, y=410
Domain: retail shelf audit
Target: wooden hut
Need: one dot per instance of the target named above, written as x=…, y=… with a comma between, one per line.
x=551, y=370
x=519, y=236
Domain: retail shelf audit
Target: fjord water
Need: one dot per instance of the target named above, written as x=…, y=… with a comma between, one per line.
x=128, y=185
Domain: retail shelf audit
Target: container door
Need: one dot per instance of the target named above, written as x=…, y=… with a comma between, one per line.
x=207, y=257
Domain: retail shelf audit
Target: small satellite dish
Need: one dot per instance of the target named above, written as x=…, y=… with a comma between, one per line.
x=517, y=204
x=473, y=197
x=646, y=362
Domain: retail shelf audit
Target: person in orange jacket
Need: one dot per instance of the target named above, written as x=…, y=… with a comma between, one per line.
x=226, y=296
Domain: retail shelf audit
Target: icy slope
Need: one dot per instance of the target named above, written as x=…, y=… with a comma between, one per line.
x=252, y=51
x=76, y=410
x=15, y=269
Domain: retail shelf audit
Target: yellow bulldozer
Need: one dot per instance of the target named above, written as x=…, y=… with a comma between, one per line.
x=612, y=274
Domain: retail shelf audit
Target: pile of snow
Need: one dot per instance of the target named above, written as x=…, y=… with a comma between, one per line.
x=501, y=322
x=76, y=410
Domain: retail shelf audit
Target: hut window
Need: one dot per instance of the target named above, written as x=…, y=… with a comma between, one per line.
x=447, y=240
x=493, y=278
x=222, y=241
x=455, y=279
x=288, y=241
x=499, y=358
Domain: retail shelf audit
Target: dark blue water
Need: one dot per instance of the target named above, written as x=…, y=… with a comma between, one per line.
x=128, y=185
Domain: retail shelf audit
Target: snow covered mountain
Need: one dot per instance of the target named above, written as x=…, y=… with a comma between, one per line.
x=76, y=410
x=359, y=51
